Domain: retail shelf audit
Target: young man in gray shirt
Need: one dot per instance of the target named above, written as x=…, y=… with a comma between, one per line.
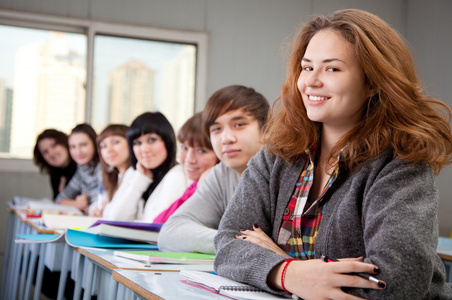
x=233, y=117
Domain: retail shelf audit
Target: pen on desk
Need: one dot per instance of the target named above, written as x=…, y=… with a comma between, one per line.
x=362, y=275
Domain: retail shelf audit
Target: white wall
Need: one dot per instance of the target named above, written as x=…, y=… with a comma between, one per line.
x=245, y=47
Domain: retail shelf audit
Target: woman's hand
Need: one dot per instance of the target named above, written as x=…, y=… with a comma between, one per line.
x=316, y=279
x=99, y=207
x=81, y=202
x=258, y=237
x=146, y=172
x=95, y=212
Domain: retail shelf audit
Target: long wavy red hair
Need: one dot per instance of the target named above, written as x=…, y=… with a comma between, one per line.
x=399, y=115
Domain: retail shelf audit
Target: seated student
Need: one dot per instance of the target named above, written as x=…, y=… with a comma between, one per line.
x=196, y=156
x=115, y=166
x=157, y=180
x=83, y=187
x=51, y=155
x=234, y=117
x=347, y=172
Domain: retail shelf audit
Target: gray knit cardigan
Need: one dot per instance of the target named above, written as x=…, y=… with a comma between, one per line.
x=385, y=212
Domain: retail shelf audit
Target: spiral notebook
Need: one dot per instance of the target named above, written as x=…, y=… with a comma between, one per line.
x=224, y=286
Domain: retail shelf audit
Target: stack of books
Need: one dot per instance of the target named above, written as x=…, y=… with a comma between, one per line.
x=115, y=234
x=135, y=231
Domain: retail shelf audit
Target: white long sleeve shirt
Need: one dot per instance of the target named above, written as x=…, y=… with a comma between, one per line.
x=128, y=205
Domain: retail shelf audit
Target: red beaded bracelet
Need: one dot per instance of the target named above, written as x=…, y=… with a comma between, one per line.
x=287, y=261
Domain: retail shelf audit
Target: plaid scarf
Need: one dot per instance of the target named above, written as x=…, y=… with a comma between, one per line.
x=299, y=230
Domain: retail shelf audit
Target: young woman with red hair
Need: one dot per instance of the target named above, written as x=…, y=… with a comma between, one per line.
x=352, y=147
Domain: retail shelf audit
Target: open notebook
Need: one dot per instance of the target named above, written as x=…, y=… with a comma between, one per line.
x=224, y=286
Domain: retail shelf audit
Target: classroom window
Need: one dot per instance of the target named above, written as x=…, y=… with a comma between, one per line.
x=42, y=77
x=56, y=73
x=132, y=76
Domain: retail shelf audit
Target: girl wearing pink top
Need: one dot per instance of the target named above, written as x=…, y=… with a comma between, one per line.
x=196, y=157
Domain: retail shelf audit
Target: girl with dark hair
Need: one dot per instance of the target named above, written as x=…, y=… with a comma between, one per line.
x=115, y=165
x=341, y=203
x=83, y=187
x=51, y=155
x=157, y=180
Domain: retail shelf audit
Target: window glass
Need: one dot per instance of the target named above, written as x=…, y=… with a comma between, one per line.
x=132, y=76
x=42, y=79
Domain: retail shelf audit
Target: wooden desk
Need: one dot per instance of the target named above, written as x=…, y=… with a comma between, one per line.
x=444, y=256
x=95, y=267
x=39, y=229
x=161, y=285
x=107, y=259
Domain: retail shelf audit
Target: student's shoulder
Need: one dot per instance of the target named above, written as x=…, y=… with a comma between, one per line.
x=387, y=162
x=128, y=172
x=79, y=174
x=219, y=177
x=176, y=169
x=176, y=172
x=220, y=170
x=266, y=160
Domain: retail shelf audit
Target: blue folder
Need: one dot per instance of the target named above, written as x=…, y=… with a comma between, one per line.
x=37, y=238
x=77, y=238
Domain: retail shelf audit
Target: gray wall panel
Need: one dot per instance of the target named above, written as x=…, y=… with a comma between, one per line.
x=245, y=42
x=177, y=14
x=65, y=8
x=429, y=32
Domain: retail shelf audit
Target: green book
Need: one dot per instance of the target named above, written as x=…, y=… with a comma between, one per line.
x=153, y=257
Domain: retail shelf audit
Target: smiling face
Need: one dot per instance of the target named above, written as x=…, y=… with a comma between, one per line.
x=115, y=152
x=235, y=137
x=54, y=154
x=81, y=148
x=150, y=150
x=196, y=160
x=331, y=82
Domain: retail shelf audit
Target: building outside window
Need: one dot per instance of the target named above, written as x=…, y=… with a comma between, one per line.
x=43, y=75
x=132, y=76
x=58, y=78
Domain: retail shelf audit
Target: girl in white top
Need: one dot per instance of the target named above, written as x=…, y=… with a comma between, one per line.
x=114, y=159
x=157, y=180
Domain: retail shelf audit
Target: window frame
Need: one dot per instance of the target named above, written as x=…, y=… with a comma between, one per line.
x=91, y=28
